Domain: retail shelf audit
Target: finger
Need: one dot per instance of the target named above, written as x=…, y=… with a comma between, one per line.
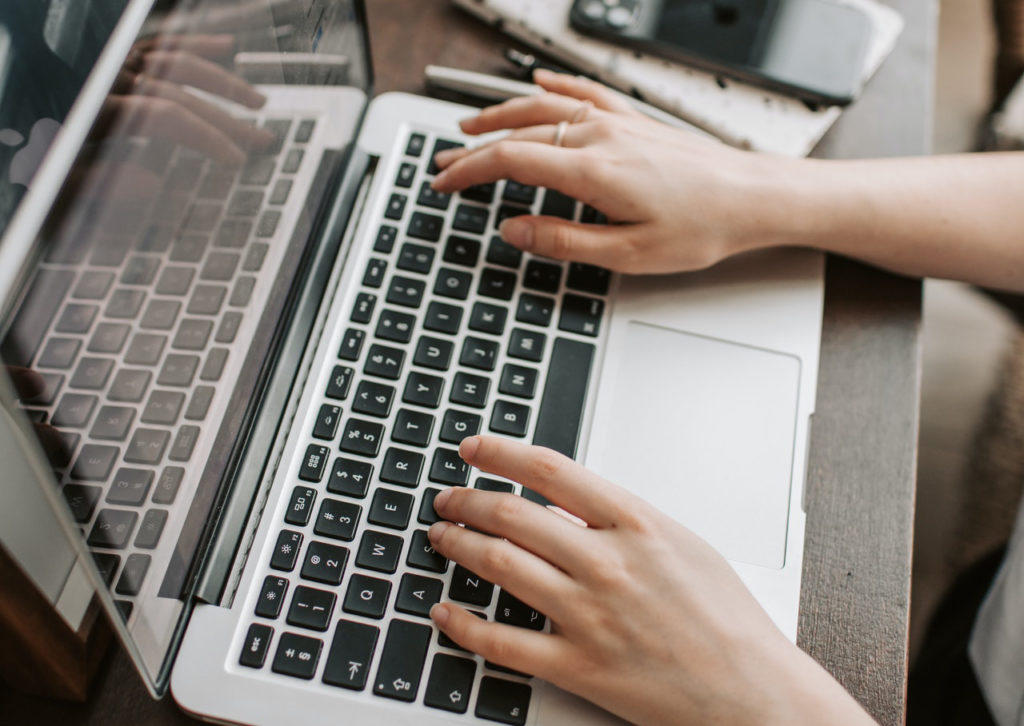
x=575, y=136
x=527, y=524
x=544, y=108
x=527, y=651
x=531, y=579
x=160, y=118
x=27, y=383
x=561, y=480
x=583, y=89
x=598, y=244
x=182, y=67
x=524, y=161
x=245, y=135
x=207, y=46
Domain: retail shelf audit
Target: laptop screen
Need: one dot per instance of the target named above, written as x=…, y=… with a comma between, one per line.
x=150, y=265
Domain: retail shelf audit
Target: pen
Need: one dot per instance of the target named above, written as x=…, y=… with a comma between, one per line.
x=495, y=88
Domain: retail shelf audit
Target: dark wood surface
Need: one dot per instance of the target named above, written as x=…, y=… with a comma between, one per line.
x=856, y=591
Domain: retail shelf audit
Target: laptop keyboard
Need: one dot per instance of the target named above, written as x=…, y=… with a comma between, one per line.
x=133, y=336
x=452, y=332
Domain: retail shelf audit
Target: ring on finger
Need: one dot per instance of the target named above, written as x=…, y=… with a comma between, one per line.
x=582, y=111
x=560, y=132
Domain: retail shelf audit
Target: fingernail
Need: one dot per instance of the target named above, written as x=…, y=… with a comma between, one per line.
x=442, y=158
x=437, y=529
x=438, y=181
x=439, y=614
x=518, y=233
x=468, y=447
x=468, y=121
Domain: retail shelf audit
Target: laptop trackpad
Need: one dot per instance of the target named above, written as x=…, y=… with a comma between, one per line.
x=704, y=430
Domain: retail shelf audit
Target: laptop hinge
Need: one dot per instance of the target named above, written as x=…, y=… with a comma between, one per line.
x=258, y=468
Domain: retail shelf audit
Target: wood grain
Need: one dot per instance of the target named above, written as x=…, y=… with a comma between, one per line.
x=855, y=599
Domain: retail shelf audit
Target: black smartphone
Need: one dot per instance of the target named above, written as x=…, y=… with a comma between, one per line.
x=812, y=49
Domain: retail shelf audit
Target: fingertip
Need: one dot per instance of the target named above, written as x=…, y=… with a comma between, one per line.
x=468, y=448
x=440, y=614
x=517, y=232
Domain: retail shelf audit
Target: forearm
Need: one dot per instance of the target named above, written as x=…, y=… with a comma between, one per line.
x=959, y=217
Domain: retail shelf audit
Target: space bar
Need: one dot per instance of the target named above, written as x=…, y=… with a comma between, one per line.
x=561, y=408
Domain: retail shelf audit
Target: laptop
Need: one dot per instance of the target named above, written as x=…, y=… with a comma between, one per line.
x=245, y=339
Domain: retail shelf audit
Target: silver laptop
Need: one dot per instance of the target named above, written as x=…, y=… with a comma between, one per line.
x=248, y=379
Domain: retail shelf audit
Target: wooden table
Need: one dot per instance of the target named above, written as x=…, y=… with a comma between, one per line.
x=856, y=593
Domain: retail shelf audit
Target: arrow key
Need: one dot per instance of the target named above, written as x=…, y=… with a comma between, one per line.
x=450, y=683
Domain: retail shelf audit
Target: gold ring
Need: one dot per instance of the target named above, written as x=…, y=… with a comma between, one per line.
x=560, y=132
x=582, y=111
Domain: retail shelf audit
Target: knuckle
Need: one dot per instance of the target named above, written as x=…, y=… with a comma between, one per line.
x=560, y=243
x=508, y=510
x=496, y=648
x=502, y=153
x=546, y=465
x=494, y=558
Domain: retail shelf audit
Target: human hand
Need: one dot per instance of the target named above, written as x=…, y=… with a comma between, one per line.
x=648, y=621
x=677, y=201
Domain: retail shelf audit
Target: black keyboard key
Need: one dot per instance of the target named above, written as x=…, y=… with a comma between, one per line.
x=395, y=326
x=145, y=349
x=374, y=275
x=406, y=173
x=51, y=386
x=178, y=370
x=557, y=204
x=256, y=646
x=503, y=701
x=256, y=255
x=422, y=554
x=441, y=145
x=75, y=319
x=498, y=284
x=543, y=276
x=286, y=550
x=113, y=423
x=581, y=314
x=519, y=193
x=373, y=399
x=390, y=509
x=326, y=426
x=433, y=353
x=510, y=418
x=508, y=211
x=415, y=258
x=386, y=237
x=61, y=352
x=518, y=381
x=281, y=190
x=129, y=386
x=140, y=270
x=450, y=684
x=493, y=485
x=338, y=520
x=362, y=437
x=244, y=203
x=402, y=467
x=304, y=131
x=362, y=311
x=325, y=563
x=379, y=551
x=412, y=427
x=469, y=390
x=271, y=598
x=107, y=564
x=561, y=409
x=406, y=291
x=448, y=468
x=453, y=284
x=588, y=278
x=314, y=463
x=280, y=128
x=430, y=198
x=199, y=405
x=297, y=656
x=415, y=145
x=233, y=232
x=443, y=318
x=339, y=382
x=92, y=285
x=193, y=334
x=134, y=572
x=479, y=353
x=168, y=484
x=82, y=500
x=470, y=588
x=152, y=527
x=423, y=390
x=350, y=477
x=95, y=462
x=425, y=226
x=535, y=309
x=292, y=161
x=500, y=252
x=512, y=611
x=367, y=596
x=589, y=215
x=189, y=248
x=527, y=345
x=487, y=318
x=130, y=487
x=92, y=373
x=462, y=251
x=348, y=662
x=401, y=661
x=384, y=362
x=426, y=513
x=257, y=171
x=351, y=344
x=483, y=193
x=417, y=594
x=470, y=218
x=125, y=304
x=457, y=425
x=206, y=300
x=300, y=506
x=113, y=529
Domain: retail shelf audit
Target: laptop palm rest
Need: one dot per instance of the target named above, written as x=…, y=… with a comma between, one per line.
x=705, y=432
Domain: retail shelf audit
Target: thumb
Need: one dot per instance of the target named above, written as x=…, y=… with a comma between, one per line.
x=604, y=245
